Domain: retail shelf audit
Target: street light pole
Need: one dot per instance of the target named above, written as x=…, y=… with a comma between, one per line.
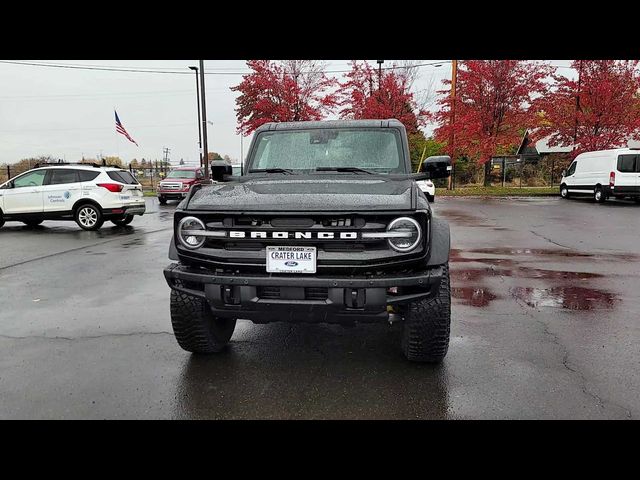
x=195, y=69
x=204, y=123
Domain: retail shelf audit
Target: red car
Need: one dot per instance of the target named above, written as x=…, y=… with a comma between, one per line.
x=177, y=183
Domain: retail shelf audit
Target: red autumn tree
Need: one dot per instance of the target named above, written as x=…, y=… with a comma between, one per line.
x=600, y=108
x=291, y=90
x=367, y=93
x=495, y=103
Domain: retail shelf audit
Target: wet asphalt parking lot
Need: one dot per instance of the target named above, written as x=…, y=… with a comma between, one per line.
x=545, y=324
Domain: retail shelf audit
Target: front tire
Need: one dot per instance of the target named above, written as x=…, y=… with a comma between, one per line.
x=427, y=324
x=162, y=200
x=196, y=329
x=431, y=198
x=1, y=220
x=89, y=217
x=564, y=191
x=123, y=221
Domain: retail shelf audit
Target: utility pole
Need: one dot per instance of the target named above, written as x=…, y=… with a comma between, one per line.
x=380, y=62
x=575, y=129
x=165, y=161
x=204, y=123
x=195, y=69
x=454, y=81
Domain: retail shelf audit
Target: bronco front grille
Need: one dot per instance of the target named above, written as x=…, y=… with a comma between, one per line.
x=352, y=243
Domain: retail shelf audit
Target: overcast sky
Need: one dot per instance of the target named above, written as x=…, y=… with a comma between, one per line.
x=68, y=113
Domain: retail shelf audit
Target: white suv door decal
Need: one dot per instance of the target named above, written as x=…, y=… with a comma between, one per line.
x=60, y=196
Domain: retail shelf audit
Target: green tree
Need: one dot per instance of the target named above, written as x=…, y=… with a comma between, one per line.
x=418, y=144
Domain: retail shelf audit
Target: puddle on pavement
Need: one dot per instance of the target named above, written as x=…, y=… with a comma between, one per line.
x=544, y=252
x=558, y=252
x=571, y=298
x=476, y=297
x=467, y=274
x=462, y=218
x=135, y=242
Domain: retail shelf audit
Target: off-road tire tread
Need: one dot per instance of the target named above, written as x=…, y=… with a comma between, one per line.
x=425, y=337
x=195, y=327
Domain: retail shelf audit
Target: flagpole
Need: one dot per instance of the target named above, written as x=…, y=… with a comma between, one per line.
x=117, y=144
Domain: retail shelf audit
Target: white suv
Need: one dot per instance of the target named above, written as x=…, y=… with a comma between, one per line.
x=88, y=194
x=428, y=188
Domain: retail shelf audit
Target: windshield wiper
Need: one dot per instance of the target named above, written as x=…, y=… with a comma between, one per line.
x=344, y=169
x=272, y=170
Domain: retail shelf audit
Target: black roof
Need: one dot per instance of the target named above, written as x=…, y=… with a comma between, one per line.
x=331, y=124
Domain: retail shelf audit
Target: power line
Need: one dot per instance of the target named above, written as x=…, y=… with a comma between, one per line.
x=93, y=128
x=80, y=95
x=176, y=72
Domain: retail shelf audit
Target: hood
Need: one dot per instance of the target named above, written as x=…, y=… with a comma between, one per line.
x=177, y=179
x=308, y=193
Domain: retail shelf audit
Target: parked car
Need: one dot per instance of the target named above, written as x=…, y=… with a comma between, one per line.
x=325, y=225
x=428, y=188
x=177, y=183
x=603, y=174
x=88, y=194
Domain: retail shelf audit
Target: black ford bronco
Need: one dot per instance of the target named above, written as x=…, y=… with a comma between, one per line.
x=326, y=225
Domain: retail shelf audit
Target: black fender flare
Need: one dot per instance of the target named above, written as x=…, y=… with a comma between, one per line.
x=173, y=251
x=440, y=242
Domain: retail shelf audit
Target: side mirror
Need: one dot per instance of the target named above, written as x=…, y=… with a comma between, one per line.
x=219, y=172
x=564, y=173
x=437, y=166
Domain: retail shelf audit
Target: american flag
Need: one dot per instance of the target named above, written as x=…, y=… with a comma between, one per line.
x=120, y=129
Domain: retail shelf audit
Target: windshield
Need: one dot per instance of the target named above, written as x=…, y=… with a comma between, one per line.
x=303, y=151
x=182, y=174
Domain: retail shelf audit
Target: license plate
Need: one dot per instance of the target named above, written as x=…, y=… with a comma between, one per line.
x=291, y=259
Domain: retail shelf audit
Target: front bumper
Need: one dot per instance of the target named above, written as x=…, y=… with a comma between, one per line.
x=317, y=298
x=172, y=194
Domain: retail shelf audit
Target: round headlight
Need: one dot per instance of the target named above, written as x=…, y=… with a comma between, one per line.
x=407, y=234
x=188, y=229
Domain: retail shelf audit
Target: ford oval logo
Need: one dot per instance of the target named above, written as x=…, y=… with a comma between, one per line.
x=291, y=263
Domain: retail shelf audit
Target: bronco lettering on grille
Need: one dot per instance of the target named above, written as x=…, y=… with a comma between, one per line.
x=296, y=235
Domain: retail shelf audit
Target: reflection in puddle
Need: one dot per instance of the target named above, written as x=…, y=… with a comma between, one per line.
x=572, y=298
x=476, y=297
x=523, y=272
x=544, y=252
x=491, y=261
x=529, y=251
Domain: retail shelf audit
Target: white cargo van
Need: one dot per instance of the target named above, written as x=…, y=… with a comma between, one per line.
x=603, y=174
